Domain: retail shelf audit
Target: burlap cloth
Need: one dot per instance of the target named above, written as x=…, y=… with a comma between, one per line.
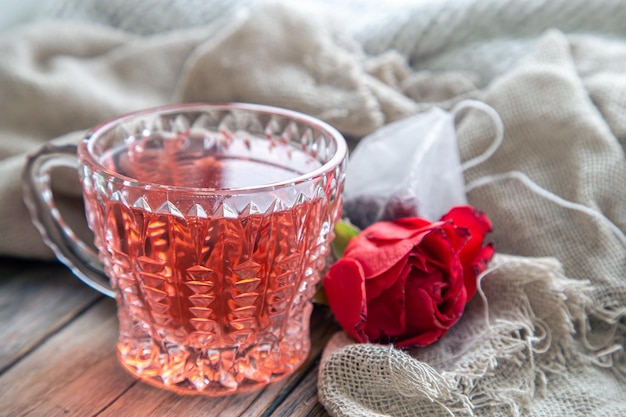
x=545, y=334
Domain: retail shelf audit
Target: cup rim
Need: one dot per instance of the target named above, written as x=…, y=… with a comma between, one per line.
x=86, y=151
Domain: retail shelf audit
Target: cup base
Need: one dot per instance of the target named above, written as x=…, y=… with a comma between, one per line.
x=212, y=373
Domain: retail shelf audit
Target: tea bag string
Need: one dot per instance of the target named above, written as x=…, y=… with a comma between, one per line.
x=548, y=195
x=520, y=176
x=497, y=121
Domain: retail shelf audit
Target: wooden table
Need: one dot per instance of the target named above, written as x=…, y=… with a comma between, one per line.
x=57, y=357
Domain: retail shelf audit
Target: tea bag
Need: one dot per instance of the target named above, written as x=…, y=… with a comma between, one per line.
x=410, y=168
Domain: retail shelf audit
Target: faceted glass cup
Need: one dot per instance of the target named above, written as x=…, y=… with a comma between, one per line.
x=212, y=224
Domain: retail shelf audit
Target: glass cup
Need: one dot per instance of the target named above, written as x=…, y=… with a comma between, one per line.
x=212, y=225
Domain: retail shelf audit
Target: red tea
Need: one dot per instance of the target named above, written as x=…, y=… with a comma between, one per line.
x=214, y=298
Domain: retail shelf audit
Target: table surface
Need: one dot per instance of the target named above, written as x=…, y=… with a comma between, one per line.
x=57, y=357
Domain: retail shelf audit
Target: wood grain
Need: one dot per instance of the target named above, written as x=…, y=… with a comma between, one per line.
x=35, y=302
x=73, y=373
x=303, y=400
x=144, y=400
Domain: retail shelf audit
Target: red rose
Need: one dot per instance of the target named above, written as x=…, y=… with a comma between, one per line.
x=407, y=281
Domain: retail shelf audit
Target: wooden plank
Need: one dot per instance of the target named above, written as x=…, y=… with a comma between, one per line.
x=36, y=301
x=73, y=373
x=303, y=400
x=143, y=399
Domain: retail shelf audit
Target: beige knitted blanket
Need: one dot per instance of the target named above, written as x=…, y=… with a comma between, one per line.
x=545, y=334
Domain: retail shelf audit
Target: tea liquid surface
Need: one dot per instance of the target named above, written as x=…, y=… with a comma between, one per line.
x=215, y=163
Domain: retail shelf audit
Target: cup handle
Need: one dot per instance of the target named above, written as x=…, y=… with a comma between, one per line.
x=81, y=259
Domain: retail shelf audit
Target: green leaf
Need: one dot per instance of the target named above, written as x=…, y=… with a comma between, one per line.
x=344, y=231
x=320, y=296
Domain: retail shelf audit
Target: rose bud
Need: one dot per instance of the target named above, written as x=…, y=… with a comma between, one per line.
x=406, y=281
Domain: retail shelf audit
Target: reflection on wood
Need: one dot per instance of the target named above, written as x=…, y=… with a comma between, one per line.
x=74, y=373
x=34, y=303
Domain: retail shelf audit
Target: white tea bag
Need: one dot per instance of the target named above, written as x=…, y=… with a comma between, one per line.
x=408, y=168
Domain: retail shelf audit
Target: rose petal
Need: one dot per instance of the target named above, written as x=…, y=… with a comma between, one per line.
x=467, y=216
x=457, y=236
x=376, y=285
x=424, y=314
x=434, y=285
x=377, y=256
x=449, y=312
x=422, y=326
x=437, y=248
x=478, y=225
x=420, y=308
x=441, y=254
x=344, y=286
x=386, y=318
x=478, y=265
x=374, y=259
x=398, y=229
